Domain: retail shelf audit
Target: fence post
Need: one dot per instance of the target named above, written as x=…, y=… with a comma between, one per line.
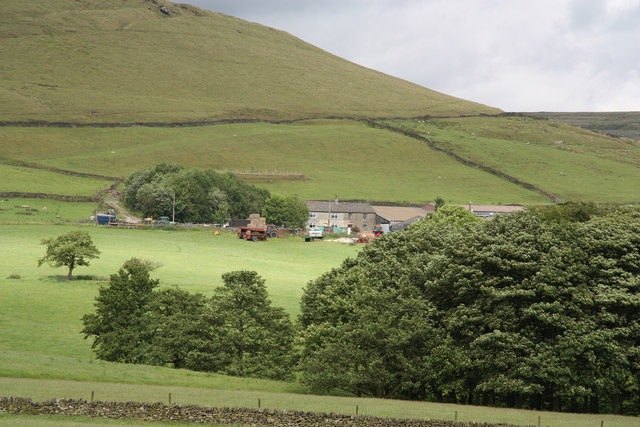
x=456, y=418
x=356, y=409
x=169, y=398
x=259, y=403
x=92, y=396
x=538, y=420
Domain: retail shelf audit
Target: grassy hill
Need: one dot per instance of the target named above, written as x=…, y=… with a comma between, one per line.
x=126, y=61
x=570, y=163
x=318, y=159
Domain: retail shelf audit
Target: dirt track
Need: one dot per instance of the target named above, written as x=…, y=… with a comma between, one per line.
x=123, y=212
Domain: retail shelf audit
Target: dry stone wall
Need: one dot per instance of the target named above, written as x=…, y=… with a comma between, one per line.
x=210, y=415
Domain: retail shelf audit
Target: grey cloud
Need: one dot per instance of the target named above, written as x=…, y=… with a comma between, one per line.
x=521, y=55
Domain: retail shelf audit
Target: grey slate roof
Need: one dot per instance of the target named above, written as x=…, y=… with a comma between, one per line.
x=340, y=207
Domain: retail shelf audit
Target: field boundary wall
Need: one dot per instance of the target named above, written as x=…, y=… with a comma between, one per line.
x=201, y=414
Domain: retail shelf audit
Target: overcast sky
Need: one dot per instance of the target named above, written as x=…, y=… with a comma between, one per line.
x=517, y=55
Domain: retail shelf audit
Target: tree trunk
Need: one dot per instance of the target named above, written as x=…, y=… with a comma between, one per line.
x=615, y=403
x=71, y=265
x=556, y=403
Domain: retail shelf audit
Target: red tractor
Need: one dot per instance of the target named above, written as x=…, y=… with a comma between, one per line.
x=377, y=230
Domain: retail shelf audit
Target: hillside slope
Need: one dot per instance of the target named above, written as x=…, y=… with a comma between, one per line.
x=127, y=61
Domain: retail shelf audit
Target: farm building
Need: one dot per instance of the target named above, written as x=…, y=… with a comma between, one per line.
x=344, y=215
x=490, y=211
x=389, y=216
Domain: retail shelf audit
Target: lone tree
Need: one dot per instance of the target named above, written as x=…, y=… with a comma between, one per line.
x=71, y=249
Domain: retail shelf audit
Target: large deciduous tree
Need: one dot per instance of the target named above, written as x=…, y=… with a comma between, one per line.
x=287, y=211
x=116, y=325
x=254, y=338
x=523, y=311
x=72, y=249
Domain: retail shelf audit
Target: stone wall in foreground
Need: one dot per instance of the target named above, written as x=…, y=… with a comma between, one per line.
x=203, y=414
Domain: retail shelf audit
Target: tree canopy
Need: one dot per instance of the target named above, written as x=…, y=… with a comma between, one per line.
x=235, y=332
x=519, y=311
x=72, y=249
x=199, y=195
x=288, y=211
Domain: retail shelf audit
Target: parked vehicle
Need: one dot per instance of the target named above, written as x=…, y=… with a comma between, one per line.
x=252, y=233
x=313, y=235
x=106, y=219
x=377, y=230
x=164, y=220
x=259, y=233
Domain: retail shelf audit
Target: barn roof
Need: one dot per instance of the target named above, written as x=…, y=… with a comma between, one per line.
x=399, y=213
x=342, y=207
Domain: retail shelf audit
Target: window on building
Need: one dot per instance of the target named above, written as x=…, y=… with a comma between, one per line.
x=364, y=226
x=350, y=216
x=312, y=225
x=364, y=216
x=334, y=216
x=312, y=215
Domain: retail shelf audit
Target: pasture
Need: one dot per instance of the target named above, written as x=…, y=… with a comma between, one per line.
x=573, y=164
x=43, y=355
x=337, y=157
x=24, y=179
x=38, y=211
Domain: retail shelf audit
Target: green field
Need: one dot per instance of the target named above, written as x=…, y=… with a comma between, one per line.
x=23, y=179
x=344, y=158
x=30, y=211
x=43, y=355
x=573, y=164
x=124, y=62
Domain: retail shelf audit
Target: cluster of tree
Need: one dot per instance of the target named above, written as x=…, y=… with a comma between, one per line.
x=536, y=309
x=235, y=332
x=195, y=195
x=286, y=211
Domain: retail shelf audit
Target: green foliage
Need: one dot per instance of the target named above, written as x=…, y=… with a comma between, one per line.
x=452, y=215
x=72, y=249
x=174, y=330
x=572, y=211
x=200, y=196
x=287, y=211
x=517, y=311
x=237, y=332
x=116, y=323
x=254, y=338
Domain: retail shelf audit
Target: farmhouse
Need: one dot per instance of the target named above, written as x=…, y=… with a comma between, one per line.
x=343, y=215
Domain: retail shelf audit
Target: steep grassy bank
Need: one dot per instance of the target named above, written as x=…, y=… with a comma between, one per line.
x=570, y=163
x=126, y=61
